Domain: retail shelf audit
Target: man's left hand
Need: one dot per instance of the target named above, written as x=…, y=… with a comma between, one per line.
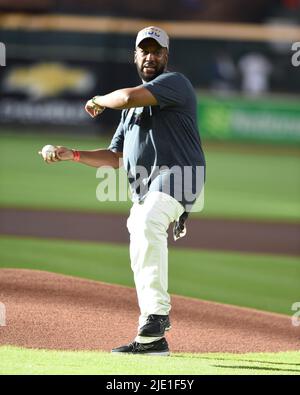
x=93, y=109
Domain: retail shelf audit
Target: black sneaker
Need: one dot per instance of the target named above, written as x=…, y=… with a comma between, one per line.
x=158, y=347
x=155, y=326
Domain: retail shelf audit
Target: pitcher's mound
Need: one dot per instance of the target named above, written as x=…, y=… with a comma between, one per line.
x=51, y=311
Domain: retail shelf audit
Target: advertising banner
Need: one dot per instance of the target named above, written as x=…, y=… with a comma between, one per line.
x=249, y=119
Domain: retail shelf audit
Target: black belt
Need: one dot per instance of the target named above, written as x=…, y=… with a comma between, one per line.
x=179, y=229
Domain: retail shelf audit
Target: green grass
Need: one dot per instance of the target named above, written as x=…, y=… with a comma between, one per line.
x=15, y=360
x=265, y=282
x=26, y=181
x=240, y=184
x=252, y=185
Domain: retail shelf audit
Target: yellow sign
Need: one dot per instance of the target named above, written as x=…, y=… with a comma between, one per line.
x=49, y=80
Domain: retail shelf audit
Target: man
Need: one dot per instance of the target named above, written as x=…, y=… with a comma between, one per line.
x=157, y=139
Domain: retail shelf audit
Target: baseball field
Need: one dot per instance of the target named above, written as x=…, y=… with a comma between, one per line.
x=66, y=282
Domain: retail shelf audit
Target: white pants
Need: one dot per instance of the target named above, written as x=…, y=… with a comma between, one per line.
x=148, y=224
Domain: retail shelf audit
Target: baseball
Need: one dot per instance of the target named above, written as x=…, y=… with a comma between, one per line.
x=47, y=150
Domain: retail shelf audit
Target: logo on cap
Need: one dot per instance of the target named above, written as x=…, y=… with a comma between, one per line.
x=153, y=32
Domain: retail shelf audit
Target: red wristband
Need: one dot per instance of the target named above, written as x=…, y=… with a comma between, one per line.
x=76, y=155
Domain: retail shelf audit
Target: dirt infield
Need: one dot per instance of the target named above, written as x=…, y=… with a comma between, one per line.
x=211, y=234
x=50, y=311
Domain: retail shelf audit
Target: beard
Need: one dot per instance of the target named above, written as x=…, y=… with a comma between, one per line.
x=147, y=77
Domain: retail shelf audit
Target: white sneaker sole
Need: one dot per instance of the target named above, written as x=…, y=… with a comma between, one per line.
x=154, y=354
x=158, y=353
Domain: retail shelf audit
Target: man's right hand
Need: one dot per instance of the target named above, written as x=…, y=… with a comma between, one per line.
x=60, y=154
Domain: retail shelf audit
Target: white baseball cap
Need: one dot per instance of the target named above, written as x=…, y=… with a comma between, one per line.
x=159, y=35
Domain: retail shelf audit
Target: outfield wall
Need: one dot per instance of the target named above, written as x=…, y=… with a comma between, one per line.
x=55, y=63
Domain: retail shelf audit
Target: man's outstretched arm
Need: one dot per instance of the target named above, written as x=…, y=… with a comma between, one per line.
x=94, y=158
x=121, y=99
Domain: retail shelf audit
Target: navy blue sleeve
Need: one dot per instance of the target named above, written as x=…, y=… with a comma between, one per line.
x=169, y=89
x=117, y=142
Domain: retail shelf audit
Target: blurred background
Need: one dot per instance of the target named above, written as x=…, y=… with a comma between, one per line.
x=239, y=58
x=60, y=53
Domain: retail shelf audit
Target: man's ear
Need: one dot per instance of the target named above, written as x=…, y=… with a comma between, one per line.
x=167, y=59
x=135, y=56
